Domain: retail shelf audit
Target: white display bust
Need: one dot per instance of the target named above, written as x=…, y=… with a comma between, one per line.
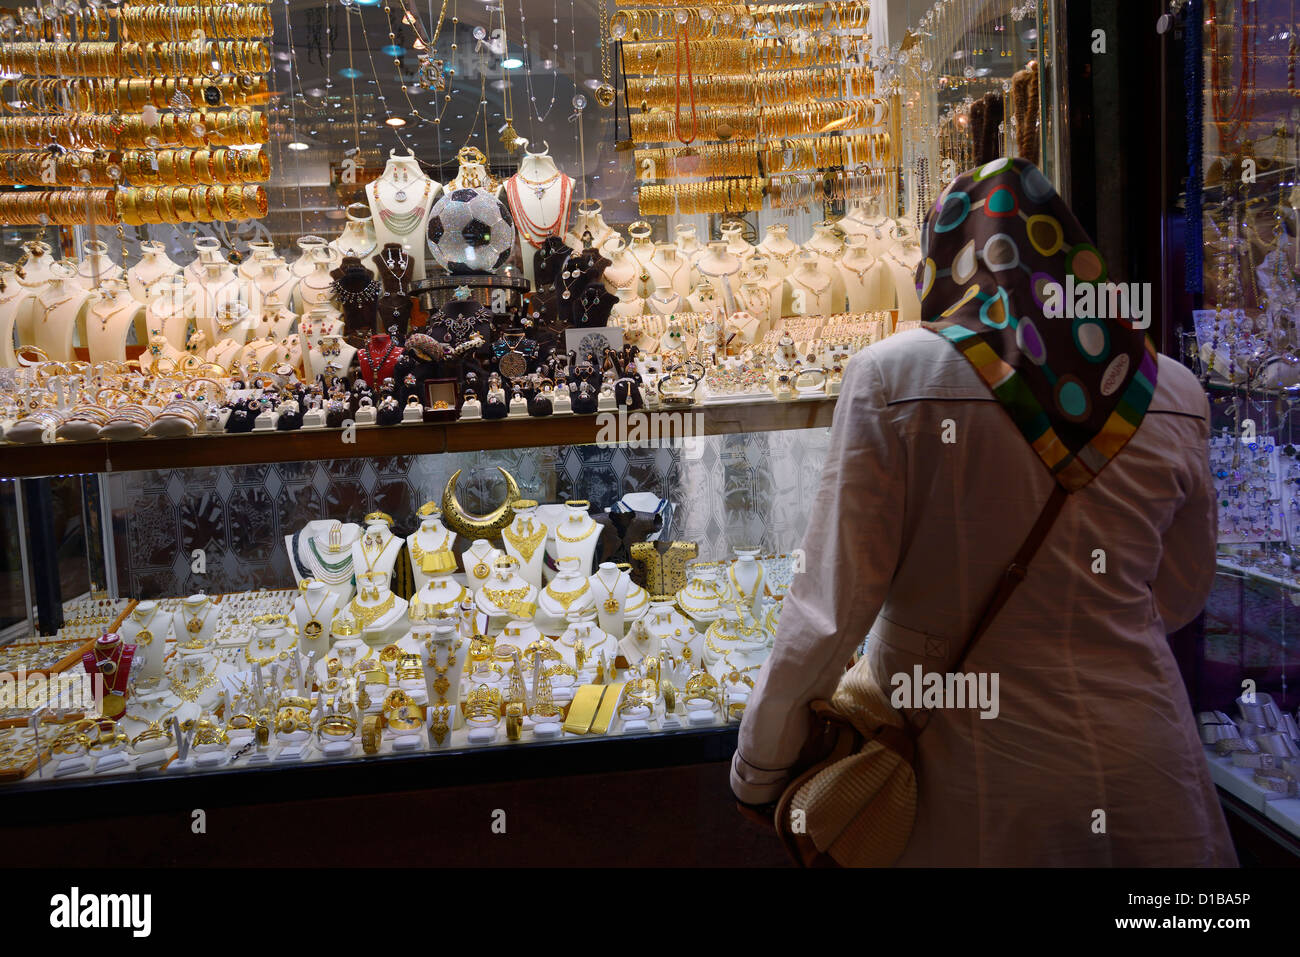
x=376, y=551
x=733, y=234
x=380, y=613
x=745, y=582
x=195, y=618
x=722, y=268
x=611, y=586
x=629, y=305
x=779, y=249
x=588, y=219
x=322, y=550
x=219, y=285
x=358, y=237
x=479, y=560
x=154, y=266
x=321, y=332
x=59, y=306
x=583, y=629
x=111, y=313
x=313, y=612
x=430, y=546
x=504, y=592
x=195, y=677
x=95, y=265
x=577, y=535
x=569, y=591
x=401, y=200
x=669, y=271
x=538, y=195
x=829, y=246
x=624, y=272
x=812, y=286
x=148, y=628
x=14, y=298
x=868, y=288
x=525, y=541
x=170, y=308
x=444, y=657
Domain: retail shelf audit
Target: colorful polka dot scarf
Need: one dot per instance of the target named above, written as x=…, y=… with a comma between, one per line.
x=1011, y=279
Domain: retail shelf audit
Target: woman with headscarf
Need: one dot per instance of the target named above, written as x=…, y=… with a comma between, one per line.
x=948, y=441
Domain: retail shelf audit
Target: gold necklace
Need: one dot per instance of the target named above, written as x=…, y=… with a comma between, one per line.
x=418, y=553
x=526, y=543
x=611, y=603
x=191, y=692
x=144, y=636
x=480, y=570
x=505, y=598
x=731, y=573
x=313, y=628
x=567, y=598
x=365, y=615
x=577, y=538
x=442, y=683
x=365, y=551
x=282, y=655
x=195, y=624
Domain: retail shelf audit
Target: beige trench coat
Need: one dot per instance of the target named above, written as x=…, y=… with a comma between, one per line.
x=1094, y=758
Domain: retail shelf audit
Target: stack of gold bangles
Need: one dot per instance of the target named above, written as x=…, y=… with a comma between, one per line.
x=190, y=204
x=67, y=207
x=201, y=167
x=336, y=727
x=162, y=21
x=715, y=196
x=37, y=168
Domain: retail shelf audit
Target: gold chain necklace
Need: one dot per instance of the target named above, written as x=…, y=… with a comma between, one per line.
x=567, y=598
x=191, y=692
x=442, y=683
x=506, y=598
x=144, y=636
x=282, y=655
x=744, y=596
x=611, y=603
x=526, y=544
x=365, y=615
x=195, y=624
x=577, y=538
x=313, y=628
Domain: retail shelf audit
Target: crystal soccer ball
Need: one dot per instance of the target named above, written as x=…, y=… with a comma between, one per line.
x=470, y=231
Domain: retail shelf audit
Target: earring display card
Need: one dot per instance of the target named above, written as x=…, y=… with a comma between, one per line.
x=1248, y=490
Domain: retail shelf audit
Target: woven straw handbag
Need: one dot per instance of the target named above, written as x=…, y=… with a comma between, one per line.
x=854, y=802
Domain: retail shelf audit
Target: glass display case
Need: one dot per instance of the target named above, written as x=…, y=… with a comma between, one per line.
x=338, y=339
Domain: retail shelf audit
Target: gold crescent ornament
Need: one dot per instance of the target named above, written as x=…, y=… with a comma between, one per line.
x=472, y=526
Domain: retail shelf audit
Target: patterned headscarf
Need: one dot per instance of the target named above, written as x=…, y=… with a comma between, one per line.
x=994, y=245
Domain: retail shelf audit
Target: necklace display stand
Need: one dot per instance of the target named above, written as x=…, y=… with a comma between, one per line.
x=111, y=314
x=811, y=286
x=358, y=237
x=779, y=249
x=95, y=266
x=504, y=593
x=357, y=291
x=313, y=613
x=866, y=285
x=170, y=309
x=584, y=630
x=381, y=614
x=577, y=535
x=623, y=274
x=629, y=306
x=154, y=266
x=322, y=550
x=59, y=309
x=525, y=541
x=539, y=195
x=733, y=234
x=14, y=298
x=219, y=286
x=828, y=245
x=431, y=546
x=400, y=203
x=479, y=560
x=669, y=271
x=148, y=628
x=589, y=220
x=444, y=655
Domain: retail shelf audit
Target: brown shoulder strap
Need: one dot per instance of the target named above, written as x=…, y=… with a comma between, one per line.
x=1016, y=571
x=1007, y=584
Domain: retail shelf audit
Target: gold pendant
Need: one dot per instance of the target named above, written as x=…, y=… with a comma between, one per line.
x=143, y=636
x=481, y=570
x=441, y=685
x=313, y=629
x=611, y=605
x=194, y=626
x=114, y=704
x=509, y=137
x=605, y=95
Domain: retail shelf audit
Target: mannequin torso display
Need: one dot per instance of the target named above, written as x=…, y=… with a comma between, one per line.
x=479, y=560
x=316, y=288
x=195, y=620
x=312, y=251
x=665, y=303
x=111, y=313
x=577, y=536
x=612, y=588
x=13, y=298
x=195, y=678
x=812, y=287
x=313, y=612
x=676, y=634
x=392, y=264
x=269, y=279
x=762, y=298
x=504, y=592
x=270, y=645
x=375, y=552
x=733, y=234
x=154, y=265
x=321, y=338
x=629, y=305
x=37, y=261
x=590, y=221
x=706, y=299
x=584, y=639
x=440, y=594
x=779, y=249
x=722, y=269
x=525, y=539
x=219, y=286
x=745, y=581
x=642, y=249
x=275, y=318
x=444, y=654
x=640, y=643
x=380, y=614
x=58, y=308
x=378, y=359
x=827, y=244
x=668, y=270
x=623, y=274
x=908, y=301
x=568, y=592
x=431, y=548
x=95, y=266
x=168, y=313
x=865, y=285
x=322, y=550
x=147, y=628
x=400, y=203
x=358, y=237
x=538, y=195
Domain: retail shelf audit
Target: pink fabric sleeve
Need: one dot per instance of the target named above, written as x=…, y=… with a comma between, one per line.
x=1190, y=544
x=852, y=548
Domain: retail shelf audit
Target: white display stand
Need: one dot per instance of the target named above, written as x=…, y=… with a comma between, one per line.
x=170, y=308
x=538, y=195
x=111, y=312
x=148, y=628
x=577, y=536
x=358, y=237
x=313, y=613
x=59, y=306
x=95, y=266
x=427, y=540
x=155, y=265
x=310, y=562
x=401, y=200
x=525, y=541
x=479, y=560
